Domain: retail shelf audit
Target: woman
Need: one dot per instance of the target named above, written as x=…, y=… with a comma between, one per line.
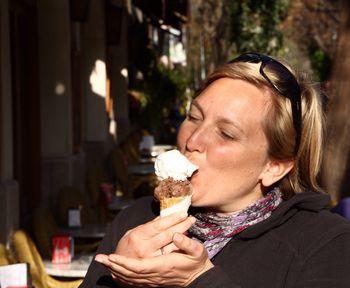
x=258, y=218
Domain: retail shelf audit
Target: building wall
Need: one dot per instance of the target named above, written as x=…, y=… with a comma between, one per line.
x=94, y=77
x=6, y=103
x=94, y=73
x=9, y=192
x=119, y=80
x=55, y=77
x=97, y=54
x=60, y=166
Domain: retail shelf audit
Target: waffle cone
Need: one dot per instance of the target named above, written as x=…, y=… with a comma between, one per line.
x=168, y=202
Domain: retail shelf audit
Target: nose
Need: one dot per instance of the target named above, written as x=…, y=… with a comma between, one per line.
x=197, y=139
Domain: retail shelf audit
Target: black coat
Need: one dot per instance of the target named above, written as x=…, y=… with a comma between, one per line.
x=301, y=244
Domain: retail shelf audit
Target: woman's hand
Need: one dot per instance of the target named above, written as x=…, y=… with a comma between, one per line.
x=152, y=238
x=148, y=239
x=178, y=268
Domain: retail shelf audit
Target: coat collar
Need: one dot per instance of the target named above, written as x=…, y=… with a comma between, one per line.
x=307, y=201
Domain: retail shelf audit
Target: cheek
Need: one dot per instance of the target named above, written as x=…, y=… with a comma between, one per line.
x=221, y=158
x=217, y=166
x=227, y=167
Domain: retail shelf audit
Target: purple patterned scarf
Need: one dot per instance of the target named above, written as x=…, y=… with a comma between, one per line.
x=215, y=231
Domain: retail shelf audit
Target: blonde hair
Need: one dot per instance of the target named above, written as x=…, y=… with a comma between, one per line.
x=279, y=129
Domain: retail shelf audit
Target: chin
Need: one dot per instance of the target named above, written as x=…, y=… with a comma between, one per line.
x=194, y=200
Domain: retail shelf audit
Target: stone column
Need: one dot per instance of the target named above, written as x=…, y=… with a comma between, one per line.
x=9, y=191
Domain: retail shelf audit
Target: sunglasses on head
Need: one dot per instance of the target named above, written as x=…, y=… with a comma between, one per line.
x=283, y=81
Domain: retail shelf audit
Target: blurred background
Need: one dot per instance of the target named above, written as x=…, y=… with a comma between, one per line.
x=84, y=81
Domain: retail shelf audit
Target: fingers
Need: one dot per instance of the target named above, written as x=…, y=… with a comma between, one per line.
x=155, y=219
x=174, y=269
x=147, y=239
x=165, y=223
x=118, y=272
x=131, y=278
x=165, y=237
x=188, y=246
x=101, y=258
x=157, y=225
x=167, y=249
x=131, y=268
x=196, y=251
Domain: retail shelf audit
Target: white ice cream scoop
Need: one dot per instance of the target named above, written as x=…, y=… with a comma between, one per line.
x=173, y=164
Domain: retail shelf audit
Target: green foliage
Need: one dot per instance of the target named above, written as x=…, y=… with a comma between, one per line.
x=255, y=25
x=164, y=85
x=163, y=90
x=321, y=62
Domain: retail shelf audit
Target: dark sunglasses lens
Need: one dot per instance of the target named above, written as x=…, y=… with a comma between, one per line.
x=248, y=57
x=286, y=84
x=283, y=81
x=281, y=78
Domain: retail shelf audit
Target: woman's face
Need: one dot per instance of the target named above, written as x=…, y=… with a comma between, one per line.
x=223, y=135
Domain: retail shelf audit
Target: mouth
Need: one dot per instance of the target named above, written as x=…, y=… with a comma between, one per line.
x=194, y=174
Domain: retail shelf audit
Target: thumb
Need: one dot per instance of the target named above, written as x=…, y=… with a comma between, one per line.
x=187, y=245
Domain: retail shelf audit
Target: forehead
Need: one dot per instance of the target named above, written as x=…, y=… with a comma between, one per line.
x=234, y=98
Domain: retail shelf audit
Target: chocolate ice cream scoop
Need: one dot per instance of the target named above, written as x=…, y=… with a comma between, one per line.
x=174, y=190
x=171, y=188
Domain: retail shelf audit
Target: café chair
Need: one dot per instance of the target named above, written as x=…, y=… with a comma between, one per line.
x=26, y=252
x=71, y=197
x=45, y=227
x=131, y=150
x=118, y=169
x=95, y=176
x=129, y=184
x=6, y=256
x=3, y=255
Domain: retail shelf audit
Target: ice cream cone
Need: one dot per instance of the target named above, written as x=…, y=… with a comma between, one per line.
x=174, y=189
x=174, y=204
x=168, y=202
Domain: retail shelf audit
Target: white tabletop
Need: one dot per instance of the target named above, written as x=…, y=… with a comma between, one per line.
x=159, y=148
x=76, y=269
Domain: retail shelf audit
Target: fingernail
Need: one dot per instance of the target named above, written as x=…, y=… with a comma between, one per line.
x=98, y=259
x=192, y=219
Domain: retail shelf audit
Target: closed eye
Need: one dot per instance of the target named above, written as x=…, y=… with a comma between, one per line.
x=227, y=136
x=195, y=113
x=193, y=117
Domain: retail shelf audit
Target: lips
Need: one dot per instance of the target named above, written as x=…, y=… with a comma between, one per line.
x=188, y=156
x=194, y=174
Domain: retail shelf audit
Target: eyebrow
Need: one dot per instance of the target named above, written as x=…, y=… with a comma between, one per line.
x=221, y=120
x=195, y=103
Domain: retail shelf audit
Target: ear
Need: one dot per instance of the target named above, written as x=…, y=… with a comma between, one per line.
x=275, y=170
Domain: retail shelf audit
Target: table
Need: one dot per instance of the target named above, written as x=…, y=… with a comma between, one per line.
x=76, y=269
x=160, y=148
x=120, y=203
x=92, y=231
x=149, y=156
